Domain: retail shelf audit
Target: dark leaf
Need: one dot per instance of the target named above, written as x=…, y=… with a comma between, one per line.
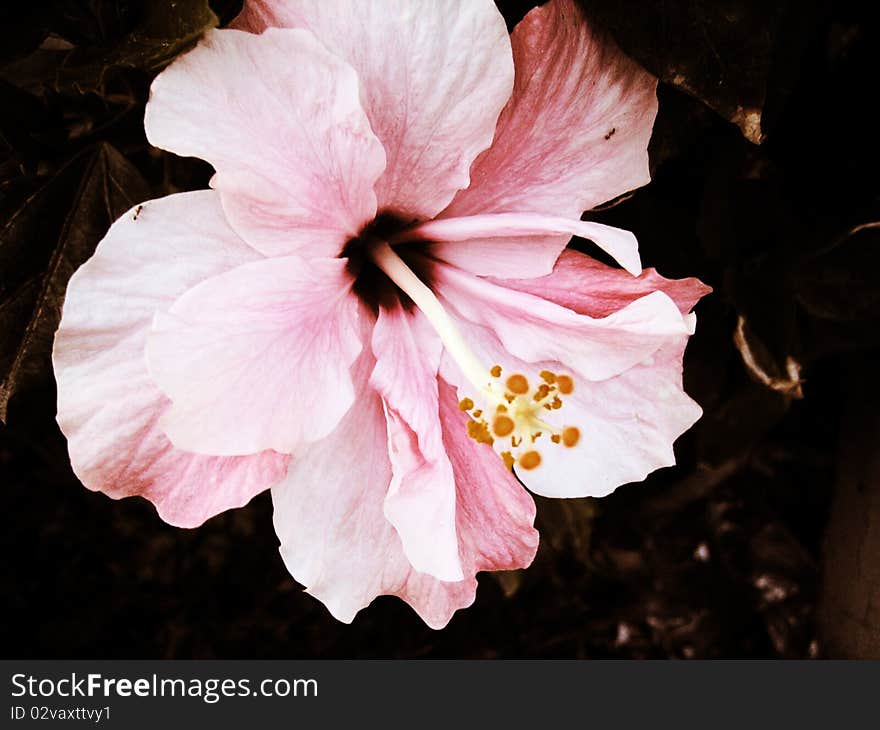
x=22, y=27
x=728, y=54
x=840, y=284
x=41, y=246
x=167, y=28
x=161, y=30
x=566, y=526
x=766, y=369
x=849, y=613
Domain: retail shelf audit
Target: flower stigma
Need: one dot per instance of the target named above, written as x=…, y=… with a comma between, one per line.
x=508, y=413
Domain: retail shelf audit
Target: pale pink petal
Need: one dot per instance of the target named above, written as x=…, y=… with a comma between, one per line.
x=434, y=76
x=575, y=131
x=421, y=499
x=279, y=118
x=589, y=287
x=627, y=423
x=534, y=329
x=108, y=406
x=258, y=357
x=407, y=352
x=495, y=514
x=336, y=541
x=573, y=135
x=627, y=427
x=495, y=246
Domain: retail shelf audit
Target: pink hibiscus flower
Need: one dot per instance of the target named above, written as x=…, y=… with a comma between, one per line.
x=372, y=311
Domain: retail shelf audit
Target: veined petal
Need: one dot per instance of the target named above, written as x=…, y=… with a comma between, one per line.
x=279, y=118
x=495, y=514
x=506, y=257
x=421, y=501
x=335, y=538
x=575, y=131
x=258, y=357
x=407, y=352
x=434, y=76
x=627, y=423
x=587, y=286
x=421, y=498
x=627, y=426
x=108, y=406
x=534, y=329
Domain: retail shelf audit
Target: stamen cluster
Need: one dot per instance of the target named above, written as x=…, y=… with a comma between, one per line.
x=515, y=411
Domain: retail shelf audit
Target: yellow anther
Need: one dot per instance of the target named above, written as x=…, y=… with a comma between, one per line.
x=530, y=460
x=479, y=432
x=570, y=436
x=518, y=384
x=515, y=413
x=503, y=425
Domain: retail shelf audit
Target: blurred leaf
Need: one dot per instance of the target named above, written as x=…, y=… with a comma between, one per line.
x=85, y=49
x=840, y=283
x=168, y=27
x=22, y=28
x=728, y=53
x=763, y=366
x=849, y=612
x=566, y=526
x=41, y=246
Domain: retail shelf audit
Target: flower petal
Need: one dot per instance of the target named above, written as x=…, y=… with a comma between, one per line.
x=627, y=427
x=258, y=357
x=434, y=76
x=534, y=329
x=421, y=502
x=108, y=406
x=421, y=499
x=627, y=422
x=573, y=135
x=589, y=287
x=278, y=117
x=329, y=517
x=495, y=514
x=491, y=252
x=575, y=131
x=336, y=541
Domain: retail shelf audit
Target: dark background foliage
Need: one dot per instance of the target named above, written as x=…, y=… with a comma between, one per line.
x=763, y=542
